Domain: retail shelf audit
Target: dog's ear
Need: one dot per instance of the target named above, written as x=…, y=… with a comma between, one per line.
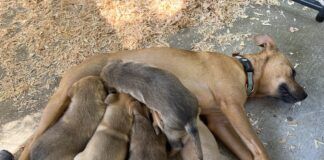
x=265, y=41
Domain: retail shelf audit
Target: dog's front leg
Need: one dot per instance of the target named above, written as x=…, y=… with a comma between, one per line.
x=237, y=117
x=221, y=128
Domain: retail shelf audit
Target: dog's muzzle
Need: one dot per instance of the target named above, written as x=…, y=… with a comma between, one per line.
x=288, y=96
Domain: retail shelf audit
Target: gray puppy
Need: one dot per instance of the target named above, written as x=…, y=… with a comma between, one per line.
x=70, y=134
x=162, y=92
x=145, y=144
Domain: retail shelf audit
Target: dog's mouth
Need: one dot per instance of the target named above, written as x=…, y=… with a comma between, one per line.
x=285, y=95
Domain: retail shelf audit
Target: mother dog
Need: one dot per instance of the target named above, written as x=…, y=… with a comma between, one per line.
x=218, y=81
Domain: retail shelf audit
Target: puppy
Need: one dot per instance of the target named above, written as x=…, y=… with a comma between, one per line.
x=208, y=144
x=71, y=133
x=5, y=155
x=110, y=141
x=175, y=106
x=145, y=144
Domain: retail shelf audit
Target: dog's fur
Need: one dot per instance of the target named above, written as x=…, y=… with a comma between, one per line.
x=217, y=80
x=71, y=133
x=160, y=91
x=208, y=144
x=145, y=144
x=111, y=138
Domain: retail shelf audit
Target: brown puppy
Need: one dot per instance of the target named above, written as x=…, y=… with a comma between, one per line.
x=110, y=141
x=217, y=80
x=71, y=133
x=162, y=92
x=208, y=144
x=145, y=144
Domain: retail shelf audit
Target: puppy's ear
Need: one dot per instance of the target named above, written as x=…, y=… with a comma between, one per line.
x=265, y=41
x=111, y=98
x=134, y=107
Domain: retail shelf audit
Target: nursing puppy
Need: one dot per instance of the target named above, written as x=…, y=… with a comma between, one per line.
x=163, y=93
x=110, y=141
x=145, y=144
x=71, y=133
x=208, y=144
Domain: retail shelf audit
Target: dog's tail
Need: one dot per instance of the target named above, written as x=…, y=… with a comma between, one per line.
x=5, y=155
x=192, y=130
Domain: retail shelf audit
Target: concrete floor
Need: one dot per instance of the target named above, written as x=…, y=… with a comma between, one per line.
x=289, y=131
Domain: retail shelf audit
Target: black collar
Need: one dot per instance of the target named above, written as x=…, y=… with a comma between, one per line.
x=248, y=68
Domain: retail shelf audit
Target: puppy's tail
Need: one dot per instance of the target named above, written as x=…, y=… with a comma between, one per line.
x=192, y=130
x=5, y=155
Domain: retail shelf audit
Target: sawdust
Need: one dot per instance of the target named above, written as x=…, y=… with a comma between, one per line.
x=40, y=39
x=15, y=133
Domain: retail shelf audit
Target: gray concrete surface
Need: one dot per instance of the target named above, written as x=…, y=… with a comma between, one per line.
x=288, y=131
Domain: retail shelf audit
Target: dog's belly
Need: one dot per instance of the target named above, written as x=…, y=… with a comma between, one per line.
x=201, y=91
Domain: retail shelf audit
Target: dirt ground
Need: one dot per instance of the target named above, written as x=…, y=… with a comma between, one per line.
x=40, y=39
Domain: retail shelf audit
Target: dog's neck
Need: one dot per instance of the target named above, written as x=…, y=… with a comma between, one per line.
x=258, y=62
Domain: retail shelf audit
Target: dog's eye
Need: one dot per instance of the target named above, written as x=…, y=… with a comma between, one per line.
x=293, y=74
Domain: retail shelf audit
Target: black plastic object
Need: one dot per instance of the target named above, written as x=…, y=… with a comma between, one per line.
x=5, y=155
x=314, y=5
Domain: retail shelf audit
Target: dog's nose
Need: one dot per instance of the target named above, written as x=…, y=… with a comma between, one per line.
x=301, y=96
x=304, y=96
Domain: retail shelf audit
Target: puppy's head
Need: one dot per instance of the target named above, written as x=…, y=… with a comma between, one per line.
x=122, y=100
x=278, y=76
x=87, y=87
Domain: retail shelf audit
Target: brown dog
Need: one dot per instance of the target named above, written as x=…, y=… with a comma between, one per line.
x=71, y=133
x=217, y=80
x=162, y=92
x=208, y=144
x=110, y=141
x=145, y=144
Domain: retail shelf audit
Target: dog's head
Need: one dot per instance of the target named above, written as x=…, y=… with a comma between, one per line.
x=277, y=75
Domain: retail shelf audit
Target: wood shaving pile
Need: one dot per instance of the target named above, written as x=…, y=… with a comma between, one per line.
x=40, y=39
